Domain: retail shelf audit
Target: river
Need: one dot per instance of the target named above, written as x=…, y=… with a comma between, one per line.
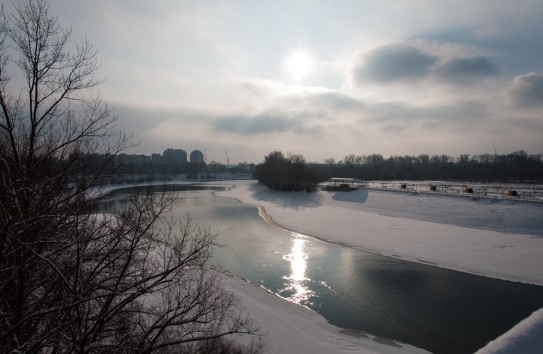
x=440, y=310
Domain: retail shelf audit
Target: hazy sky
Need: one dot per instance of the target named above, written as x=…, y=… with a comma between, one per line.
x=320, y=78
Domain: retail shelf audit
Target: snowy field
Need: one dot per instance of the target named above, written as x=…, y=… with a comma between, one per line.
x=500, y=239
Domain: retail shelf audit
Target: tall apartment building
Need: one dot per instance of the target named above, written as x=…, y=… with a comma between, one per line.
x=175, y=156
x=197, y=157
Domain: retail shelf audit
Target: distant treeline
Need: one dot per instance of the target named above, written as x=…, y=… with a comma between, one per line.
x=293, y=173
x=514, y=167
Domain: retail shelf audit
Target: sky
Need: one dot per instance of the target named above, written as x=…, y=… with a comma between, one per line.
x=319, y=78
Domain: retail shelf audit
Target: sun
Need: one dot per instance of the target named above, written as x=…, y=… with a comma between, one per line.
x=299, y=64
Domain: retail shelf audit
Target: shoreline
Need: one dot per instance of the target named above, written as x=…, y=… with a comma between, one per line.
x=277, y=314
x=268, y=216
x=230, y=185
x=528, y=333
x=289, y=326
x=342, y=331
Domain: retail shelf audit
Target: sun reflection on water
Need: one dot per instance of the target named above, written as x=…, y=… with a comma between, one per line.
x=296, y=288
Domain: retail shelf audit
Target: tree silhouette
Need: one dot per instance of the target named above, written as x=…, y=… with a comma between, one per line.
x=130, y=281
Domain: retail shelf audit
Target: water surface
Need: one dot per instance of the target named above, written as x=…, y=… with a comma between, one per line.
x=439, y=310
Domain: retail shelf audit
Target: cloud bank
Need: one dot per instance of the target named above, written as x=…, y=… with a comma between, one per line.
x=420, y=61
x=395, y=62
x=525, y=92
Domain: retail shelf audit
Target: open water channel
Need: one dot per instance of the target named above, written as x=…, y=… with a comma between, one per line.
x=439, y=310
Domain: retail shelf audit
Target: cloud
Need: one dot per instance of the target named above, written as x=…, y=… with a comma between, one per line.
x=460, y=113
x=466, y=70
x=395, y=62
x=261, y=92
x=276, y=109
x=308, y=103
x=447, y=115
x=525, y=92
x=319, y=104
x=256, y=124
x=424, y=61
x=336, y=100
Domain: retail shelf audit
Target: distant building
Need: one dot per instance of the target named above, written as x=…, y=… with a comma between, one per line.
x=180, y=156
x=197, y=157
x=175, y=156
x=157, y=159
x=133, y=159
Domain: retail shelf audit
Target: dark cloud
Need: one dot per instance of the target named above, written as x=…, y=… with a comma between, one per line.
x=258, y=124
x=466, y=70
x=525, y=92
x=396, y=62
x=407, y=63
x=454, y=113
x=517, y=43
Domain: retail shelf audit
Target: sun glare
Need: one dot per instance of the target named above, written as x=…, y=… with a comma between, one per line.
x=299, y=64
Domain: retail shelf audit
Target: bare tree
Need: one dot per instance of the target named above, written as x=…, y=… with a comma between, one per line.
x=130, y=281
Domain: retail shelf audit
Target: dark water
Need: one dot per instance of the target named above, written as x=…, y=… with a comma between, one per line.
x=436, y=309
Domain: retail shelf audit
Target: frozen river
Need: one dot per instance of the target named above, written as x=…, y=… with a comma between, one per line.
x=439, y=310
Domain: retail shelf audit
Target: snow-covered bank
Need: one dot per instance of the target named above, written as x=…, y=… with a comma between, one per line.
x=291, y=328
x=437, y=225
x=499, y=239
x=525, y=337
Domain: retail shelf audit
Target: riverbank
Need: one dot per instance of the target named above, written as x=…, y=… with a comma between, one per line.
x=499, y=239
x=287, y=326
x=291, y=328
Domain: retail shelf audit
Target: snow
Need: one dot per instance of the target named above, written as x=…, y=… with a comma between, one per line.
x=525, y=337
x=496, y=238
x=500, y=239
x=291, y=328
